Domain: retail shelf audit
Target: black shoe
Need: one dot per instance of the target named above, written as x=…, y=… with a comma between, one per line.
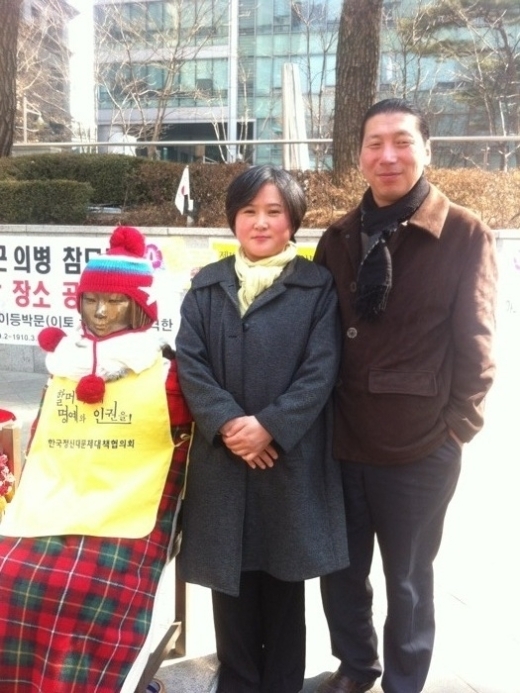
x=339, y=683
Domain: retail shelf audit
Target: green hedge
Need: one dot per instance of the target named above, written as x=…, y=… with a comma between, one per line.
x=108, y=174
x=44, y=202
x=119, y=180
x=145, y=189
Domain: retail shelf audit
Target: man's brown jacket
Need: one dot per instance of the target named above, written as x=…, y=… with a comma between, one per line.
x=425, y=365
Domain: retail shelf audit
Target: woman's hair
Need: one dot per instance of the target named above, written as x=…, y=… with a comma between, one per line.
x=245, y=187
x=396, y=106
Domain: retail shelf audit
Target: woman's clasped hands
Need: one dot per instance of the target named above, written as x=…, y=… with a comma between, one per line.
x=246, y=437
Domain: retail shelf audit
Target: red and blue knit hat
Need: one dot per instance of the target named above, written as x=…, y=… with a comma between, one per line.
x=123, y=270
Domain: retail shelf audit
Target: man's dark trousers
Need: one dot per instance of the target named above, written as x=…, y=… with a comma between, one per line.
x=404, y=506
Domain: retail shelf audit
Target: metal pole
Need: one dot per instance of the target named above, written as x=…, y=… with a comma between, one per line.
x=233, y=79
x=24, y=115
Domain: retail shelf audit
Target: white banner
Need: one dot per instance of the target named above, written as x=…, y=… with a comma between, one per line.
x=39, y=277
x=509, y=283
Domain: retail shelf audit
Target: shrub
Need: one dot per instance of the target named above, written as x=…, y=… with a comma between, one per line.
x=145, y=189
x=153, y=182
x=44, y=202
x=108, y=174
x=494, y=196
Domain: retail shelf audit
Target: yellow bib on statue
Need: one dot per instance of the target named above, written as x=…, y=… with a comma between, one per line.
x=96, y=469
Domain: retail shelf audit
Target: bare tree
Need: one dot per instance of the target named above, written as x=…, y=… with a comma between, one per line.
x=240, y=152
x=143, y=50
x=43, y=109
x=407, y=70
x=481, y=40
x=314, y=29
x=148, y=70
x=319, y=27
x=9, y=27
x=357, y=71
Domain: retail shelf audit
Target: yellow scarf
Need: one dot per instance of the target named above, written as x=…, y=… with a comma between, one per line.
x=256, y=277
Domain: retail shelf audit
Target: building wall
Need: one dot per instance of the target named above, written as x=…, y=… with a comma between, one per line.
x=43, y=84
x=233, y=79
x=227, y=77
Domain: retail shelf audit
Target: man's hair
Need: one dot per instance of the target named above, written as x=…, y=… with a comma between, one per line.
x=245, y=187
x=396, y=106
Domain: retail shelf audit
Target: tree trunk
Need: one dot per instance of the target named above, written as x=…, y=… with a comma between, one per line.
x=8, y=40
x=357, y=70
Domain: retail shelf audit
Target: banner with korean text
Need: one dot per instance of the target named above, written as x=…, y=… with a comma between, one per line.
x=39, y=275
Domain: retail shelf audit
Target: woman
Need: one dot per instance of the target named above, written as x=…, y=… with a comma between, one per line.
x=91, y=526
x=258, y=351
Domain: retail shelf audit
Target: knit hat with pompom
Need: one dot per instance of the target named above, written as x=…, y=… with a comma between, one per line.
x=123, y=270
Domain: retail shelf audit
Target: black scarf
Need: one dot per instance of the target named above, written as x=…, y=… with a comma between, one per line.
x=374, y=280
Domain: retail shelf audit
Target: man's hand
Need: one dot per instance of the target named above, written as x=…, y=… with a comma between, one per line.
x=248, y=439
x=456, y=438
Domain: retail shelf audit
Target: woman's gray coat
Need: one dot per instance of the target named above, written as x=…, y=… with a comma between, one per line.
x=279, y=363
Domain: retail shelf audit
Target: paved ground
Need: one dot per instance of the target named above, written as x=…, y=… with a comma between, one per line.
x=477, y=572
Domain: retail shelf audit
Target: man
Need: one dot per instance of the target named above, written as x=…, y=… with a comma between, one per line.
x=416, y=278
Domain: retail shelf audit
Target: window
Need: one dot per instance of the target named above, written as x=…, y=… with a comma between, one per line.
x=204, y=87
x=445, y=86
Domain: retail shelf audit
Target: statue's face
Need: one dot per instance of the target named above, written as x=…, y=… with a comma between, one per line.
x=104, y=313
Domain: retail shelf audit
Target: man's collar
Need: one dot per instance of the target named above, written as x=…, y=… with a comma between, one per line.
x=431, y=215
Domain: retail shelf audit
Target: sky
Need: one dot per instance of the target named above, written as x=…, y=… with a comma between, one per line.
x=82, y=64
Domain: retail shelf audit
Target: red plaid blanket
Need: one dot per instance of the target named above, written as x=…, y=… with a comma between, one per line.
x=75, y=610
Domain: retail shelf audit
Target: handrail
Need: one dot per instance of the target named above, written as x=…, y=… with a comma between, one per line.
x=193, y=143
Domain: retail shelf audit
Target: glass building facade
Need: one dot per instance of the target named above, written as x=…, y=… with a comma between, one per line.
x=196, y=70
x=213, y=70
